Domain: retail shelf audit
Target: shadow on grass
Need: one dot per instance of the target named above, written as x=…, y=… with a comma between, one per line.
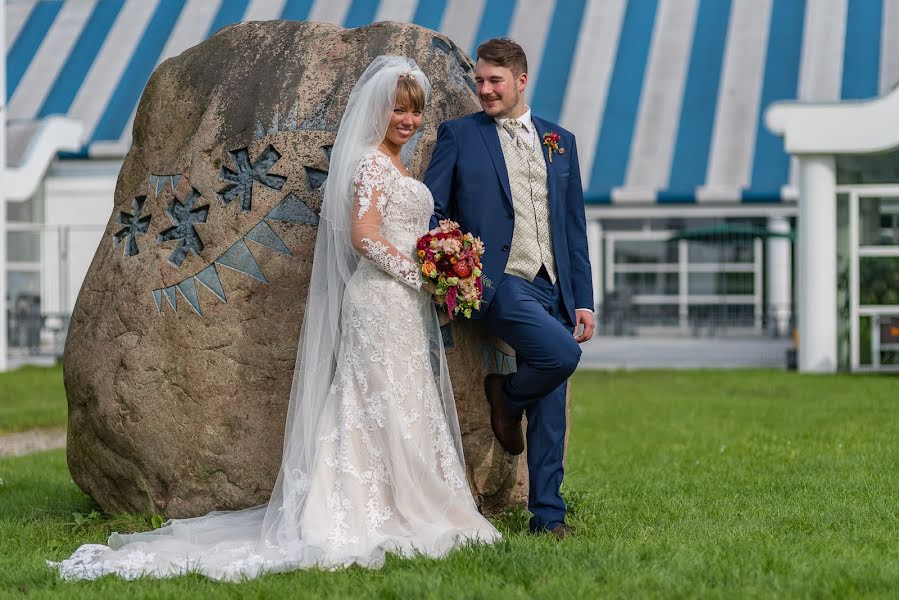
x=513, y=520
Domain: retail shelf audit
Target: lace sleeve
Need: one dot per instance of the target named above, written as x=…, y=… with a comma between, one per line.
x=370, y=190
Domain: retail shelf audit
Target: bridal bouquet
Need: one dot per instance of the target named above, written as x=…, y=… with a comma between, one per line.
x=451, y=260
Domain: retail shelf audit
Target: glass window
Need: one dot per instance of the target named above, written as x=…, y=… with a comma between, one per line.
x=888, y=349
x=878, y=221
x=24, y=309
x=725, y=251
x=864, y=340
x=656, y=314
x=731, y=315
x=720, y=283
x=649, y=251
x=22, y=283
x=878, y=279
x=889, y=340
x=27, y=211
x=647, y=283
x=23, y=246
x=622, y=224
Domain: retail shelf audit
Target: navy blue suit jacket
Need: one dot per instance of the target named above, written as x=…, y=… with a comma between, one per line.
x=467, y=177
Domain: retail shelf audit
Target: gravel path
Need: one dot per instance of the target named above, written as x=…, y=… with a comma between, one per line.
x=35, y=440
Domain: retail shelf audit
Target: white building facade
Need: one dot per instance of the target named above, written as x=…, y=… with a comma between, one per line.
x=848, y=270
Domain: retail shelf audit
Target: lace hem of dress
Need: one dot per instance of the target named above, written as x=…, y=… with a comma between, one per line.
x=235, y=563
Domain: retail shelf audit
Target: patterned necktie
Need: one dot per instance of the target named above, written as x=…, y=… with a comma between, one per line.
x=512, y=126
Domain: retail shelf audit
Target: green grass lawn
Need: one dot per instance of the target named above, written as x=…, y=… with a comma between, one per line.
x=32, y=397
x=681, y=484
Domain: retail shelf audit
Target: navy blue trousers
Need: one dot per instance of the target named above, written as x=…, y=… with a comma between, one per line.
x=530, y=318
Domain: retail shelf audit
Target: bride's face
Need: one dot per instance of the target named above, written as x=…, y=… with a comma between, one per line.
x=404, y=122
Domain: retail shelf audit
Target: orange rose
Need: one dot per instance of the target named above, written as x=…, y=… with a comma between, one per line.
x=462, y=269
x=429, y=269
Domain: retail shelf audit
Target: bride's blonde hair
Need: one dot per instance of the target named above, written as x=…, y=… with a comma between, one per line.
x=409, y=93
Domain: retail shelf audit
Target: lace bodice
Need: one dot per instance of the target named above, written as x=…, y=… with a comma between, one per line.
x=390, y=212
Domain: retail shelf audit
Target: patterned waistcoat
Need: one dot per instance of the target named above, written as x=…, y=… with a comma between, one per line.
x=532, y=237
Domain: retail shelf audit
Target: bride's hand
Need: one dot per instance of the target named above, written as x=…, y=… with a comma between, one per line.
x=429, y=287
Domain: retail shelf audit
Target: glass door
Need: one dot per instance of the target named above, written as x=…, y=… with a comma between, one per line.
x=874, y=279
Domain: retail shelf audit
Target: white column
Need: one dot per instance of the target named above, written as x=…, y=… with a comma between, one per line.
x=779, y=291
x=757, y=308
x=594, y=246
x=817, y=269
x=683, y=286
x=3, y=340
x=609, y=267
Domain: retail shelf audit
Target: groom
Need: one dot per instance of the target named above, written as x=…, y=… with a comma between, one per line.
x=513, y=179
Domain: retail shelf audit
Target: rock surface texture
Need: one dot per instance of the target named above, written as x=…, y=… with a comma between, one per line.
x=181, y=348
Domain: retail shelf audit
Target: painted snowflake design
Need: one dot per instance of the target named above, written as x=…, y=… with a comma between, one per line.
x=134, y=225
x=184, y=217
x=241, y=185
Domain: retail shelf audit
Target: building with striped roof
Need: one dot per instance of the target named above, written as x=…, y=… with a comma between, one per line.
x=667, y=99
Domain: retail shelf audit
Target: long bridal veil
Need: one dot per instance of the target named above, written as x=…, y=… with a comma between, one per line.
x=362, y=128
x=270, y=537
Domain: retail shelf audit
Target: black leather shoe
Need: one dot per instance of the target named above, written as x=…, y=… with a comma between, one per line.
x=506, y=426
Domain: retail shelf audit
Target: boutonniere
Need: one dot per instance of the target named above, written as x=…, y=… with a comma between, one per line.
x=551, y=141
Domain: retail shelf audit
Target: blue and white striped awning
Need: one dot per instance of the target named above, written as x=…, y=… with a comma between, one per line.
x=666, y=97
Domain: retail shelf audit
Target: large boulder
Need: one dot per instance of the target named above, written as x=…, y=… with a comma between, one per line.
x=181, y=348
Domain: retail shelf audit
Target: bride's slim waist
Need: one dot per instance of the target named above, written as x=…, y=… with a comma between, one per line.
x=404, y=240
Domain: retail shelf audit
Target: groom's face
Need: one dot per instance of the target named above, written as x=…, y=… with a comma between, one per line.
x=500, y=91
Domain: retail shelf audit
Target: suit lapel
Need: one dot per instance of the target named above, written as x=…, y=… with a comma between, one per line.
x=541, y=126
x=488, y=132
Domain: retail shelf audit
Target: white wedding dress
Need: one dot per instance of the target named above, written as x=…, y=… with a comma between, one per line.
x=388, y=475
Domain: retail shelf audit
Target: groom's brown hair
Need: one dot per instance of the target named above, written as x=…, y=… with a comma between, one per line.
x=503, y=52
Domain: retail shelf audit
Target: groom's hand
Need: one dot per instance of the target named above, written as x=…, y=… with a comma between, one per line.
x=585, y=318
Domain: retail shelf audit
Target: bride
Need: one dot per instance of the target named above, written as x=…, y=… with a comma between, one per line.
x=372, y=458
